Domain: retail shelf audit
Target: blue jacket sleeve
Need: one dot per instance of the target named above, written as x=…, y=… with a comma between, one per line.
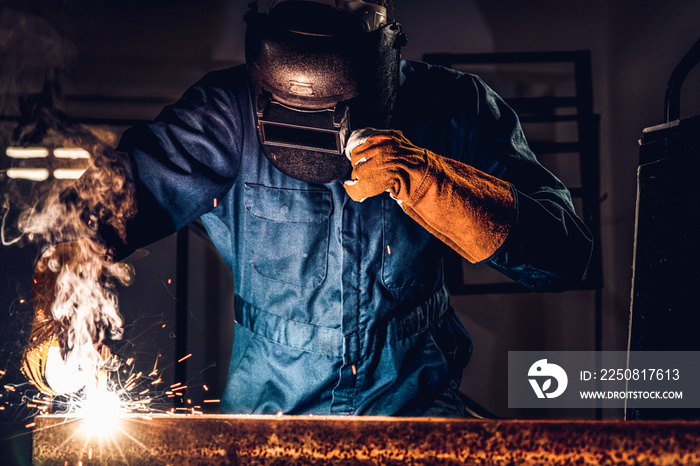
x=548, y=247
x=183, y=160
x=457, y=115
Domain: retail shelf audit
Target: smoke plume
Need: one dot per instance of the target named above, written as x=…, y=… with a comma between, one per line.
x=76, y=277
x=74, y=290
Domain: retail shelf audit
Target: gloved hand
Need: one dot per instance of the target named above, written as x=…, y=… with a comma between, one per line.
x=42, y=362
x=43, y=337
x=467, y=209
x=36, y=354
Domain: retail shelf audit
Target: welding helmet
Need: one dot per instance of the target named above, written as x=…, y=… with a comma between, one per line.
x=319, y=70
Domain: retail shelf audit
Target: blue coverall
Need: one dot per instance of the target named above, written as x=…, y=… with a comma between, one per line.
x=341, y=307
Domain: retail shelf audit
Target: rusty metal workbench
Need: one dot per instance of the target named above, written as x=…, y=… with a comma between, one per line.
x=226, y=439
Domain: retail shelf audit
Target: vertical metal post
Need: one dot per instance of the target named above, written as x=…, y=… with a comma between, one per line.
x=588, y=136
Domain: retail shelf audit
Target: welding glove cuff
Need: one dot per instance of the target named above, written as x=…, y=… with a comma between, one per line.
x=43, y=342
x=469, y=210
x=43, y=363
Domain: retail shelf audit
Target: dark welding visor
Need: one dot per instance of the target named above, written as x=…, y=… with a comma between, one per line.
x=316, y=72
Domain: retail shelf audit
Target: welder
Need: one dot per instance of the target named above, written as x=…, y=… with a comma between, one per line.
x=344, y=175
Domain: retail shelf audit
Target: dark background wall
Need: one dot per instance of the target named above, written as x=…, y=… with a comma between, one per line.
x=127, y=59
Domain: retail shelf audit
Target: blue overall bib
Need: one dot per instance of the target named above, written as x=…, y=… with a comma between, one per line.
x=341, y=307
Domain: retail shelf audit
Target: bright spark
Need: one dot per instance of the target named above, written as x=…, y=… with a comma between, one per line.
x=100, y=411
x=103, y=407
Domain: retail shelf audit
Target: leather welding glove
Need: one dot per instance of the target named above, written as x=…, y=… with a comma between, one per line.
x=42, y=363
x=467, y=209
x=43, y=336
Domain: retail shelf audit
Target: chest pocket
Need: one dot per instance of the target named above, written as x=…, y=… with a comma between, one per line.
x=411, y=256
x=287, y=233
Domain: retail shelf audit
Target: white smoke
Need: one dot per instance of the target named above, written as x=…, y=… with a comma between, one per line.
x=76, y=278
x=75, y=281
x=85, y=301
